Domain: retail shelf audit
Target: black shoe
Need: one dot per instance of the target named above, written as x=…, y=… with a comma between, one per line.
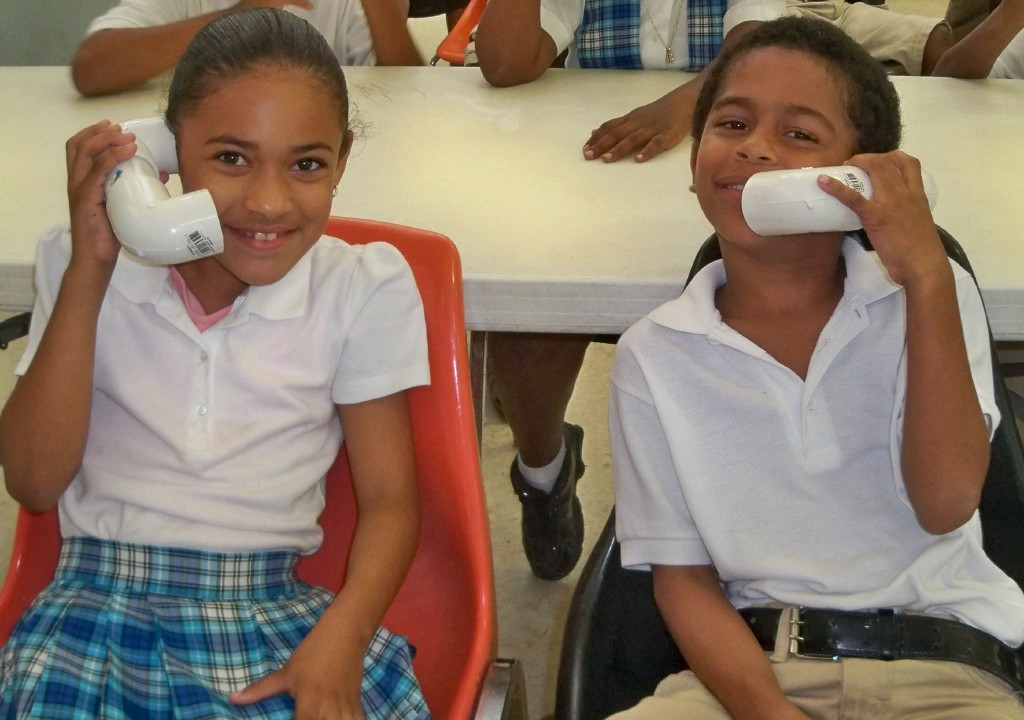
x=553, y=522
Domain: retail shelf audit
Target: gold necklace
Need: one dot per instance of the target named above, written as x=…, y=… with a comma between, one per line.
x=677, y=8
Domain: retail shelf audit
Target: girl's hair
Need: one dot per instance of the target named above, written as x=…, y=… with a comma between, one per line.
x=871, y=100
x=239, y=42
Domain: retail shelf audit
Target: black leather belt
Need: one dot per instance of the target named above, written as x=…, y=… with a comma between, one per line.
x=887, y=635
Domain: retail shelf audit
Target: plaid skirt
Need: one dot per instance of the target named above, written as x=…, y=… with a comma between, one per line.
x=130, y=631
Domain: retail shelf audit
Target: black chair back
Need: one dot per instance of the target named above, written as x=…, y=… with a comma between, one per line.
x=616, y=647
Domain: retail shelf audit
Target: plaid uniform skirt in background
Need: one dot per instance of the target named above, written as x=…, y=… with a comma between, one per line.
x=130, y=631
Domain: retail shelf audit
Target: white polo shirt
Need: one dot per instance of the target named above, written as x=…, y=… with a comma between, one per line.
x=1010, y=63
x=561, y=18
x=792, y=488
x=221, y=440
x=341, y=22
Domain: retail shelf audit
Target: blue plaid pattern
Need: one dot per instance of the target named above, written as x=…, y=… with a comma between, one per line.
x=609, y=33
x=704, y=31
x=127, y=631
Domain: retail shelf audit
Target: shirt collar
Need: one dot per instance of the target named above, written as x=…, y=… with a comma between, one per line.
x=144, y=283
x=694, y=311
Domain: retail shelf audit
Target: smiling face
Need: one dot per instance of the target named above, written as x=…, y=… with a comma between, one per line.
x=270, y=147
x=775, y=109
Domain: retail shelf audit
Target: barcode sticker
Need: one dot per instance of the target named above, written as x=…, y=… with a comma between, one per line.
x=854, y=182
x=199, y=244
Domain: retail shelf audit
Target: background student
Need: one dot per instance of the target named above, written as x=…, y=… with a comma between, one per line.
x=139, y=39
x=995, y=48
x=534, y=374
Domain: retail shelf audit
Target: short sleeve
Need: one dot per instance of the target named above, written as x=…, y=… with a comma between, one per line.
x=384, y=349
x=652, y=521
x=53, y=253
x=741, y=11
x=560, y=19
x=140, y=14
x=1010, y=63
x=978, y=343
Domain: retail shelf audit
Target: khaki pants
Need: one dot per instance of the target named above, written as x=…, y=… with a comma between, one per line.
x=853, y=689
x=888, y=36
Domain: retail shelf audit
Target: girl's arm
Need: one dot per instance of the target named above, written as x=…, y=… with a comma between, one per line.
x=325, y=671
x=45, y=423
x=717, y=644
x=511, y=45
x=388, y=21
x=945, y=449
x=116, y=59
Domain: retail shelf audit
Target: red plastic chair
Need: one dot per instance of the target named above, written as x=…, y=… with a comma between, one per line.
x=446, y=605
x=453, y=48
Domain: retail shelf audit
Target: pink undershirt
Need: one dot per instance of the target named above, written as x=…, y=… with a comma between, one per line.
x=195, y=310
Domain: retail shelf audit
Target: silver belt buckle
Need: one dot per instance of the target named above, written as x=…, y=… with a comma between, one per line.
x=795, y=627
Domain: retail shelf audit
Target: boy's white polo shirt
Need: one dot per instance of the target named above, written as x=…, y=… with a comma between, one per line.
x=792, y=488
x=220, y=440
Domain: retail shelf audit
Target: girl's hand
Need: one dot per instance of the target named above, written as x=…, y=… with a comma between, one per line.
x=896, y=217
x=324, y=675
x=92, y=154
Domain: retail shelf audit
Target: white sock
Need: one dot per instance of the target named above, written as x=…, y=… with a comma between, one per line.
x=543, y=478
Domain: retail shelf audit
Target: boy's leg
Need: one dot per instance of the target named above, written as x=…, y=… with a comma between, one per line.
x=928, y=690
x=814, y=686
x=678, y=697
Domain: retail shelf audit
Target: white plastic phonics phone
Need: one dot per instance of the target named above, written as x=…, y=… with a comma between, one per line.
x=148, y=222
x=789, y=202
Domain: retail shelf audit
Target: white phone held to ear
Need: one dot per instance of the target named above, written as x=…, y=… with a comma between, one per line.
x=147, y=221
x=789, y=202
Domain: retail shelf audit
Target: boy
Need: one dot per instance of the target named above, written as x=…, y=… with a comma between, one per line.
x=800, y=440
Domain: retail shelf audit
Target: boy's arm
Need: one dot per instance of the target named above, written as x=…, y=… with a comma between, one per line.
x=325, y=671
x=116, y=59
x=717, y=644
x=945, y=447
x=975, y=54
x=511, y=46
x=389, y=31
x=45, y=423
x=658, y=126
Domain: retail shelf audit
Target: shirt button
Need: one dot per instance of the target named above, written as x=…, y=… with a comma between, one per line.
x=203, y=357
x=201, y=410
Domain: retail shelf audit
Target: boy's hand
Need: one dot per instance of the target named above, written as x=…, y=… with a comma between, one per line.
x=92, y=154
x=896, y=217
x=324, y=675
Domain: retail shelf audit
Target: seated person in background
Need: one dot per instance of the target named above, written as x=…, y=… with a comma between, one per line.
x=534, y=374
x=800, y=440
x=139, y=39
x=451, y=9
x=912, y=42
x=518, y=40
x=995, y=48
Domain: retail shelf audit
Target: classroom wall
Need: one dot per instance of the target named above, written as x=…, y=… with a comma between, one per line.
x=45, y=32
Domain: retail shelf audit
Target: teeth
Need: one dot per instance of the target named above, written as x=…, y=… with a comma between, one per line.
x=265, y=236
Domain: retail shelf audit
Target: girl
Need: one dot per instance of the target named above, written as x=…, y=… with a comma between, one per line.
x=183, y=419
